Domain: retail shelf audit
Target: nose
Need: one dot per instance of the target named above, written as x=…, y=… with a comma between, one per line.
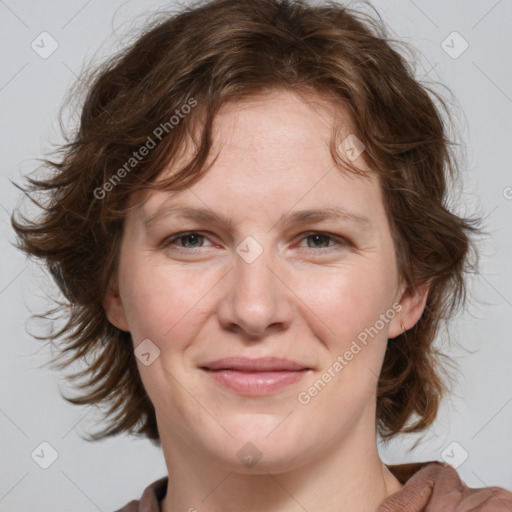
x=256, y=300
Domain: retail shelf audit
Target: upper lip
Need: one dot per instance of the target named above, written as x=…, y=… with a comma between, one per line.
x=245, y=364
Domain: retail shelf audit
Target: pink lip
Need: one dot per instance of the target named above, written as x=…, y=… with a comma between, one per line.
x=254, y=377
x=245, y=364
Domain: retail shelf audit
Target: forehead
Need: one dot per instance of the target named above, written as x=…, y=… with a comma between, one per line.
x=280, y=121
x=272, y=152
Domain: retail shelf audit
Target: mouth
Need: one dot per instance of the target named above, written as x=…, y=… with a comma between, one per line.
x=254, y=377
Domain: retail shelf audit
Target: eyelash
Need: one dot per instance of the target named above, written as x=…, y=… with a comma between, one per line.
x=322, y=250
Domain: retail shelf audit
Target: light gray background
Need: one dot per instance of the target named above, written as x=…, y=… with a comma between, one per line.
x=106, y=475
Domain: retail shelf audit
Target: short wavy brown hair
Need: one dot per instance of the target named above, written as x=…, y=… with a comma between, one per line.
x=207, y=55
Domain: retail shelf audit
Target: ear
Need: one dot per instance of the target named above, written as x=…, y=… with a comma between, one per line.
x=412, y=304
x=113, y=306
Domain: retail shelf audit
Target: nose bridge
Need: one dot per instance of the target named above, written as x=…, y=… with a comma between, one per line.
x=255, y=299
x=252, y=273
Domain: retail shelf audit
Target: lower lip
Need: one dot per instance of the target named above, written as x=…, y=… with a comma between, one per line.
x=256, y=383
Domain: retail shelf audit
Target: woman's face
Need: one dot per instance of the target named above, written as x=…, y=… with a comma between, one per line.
x=259, y=278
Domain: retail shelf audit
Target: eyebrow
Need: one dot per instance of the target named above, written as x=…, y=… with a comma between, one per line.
x=202, y=214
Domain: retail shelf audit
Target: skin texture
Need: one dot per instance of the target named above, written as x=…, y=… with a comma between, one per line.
x=304, y=298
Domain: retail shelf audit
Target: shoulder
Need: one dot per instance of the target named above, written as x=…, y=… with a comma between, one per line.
x=438, y=486
x=150, y=500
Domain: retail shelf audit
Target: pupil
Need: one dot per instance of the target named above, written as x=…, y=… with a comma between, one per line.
x=189, y=237
x=318, y=238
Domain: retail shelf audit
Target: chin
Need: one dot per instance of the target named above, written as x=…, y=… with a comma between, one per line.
x=259, y=459
x=260, y=444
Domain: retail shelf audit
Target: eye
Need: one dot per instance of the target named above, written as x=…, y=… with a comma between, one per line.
x=317, y=242
x=185, y=241
x=322, y=242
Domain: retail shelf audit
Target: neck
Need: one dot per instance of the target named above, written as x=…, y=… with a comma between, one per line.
x=351, y=477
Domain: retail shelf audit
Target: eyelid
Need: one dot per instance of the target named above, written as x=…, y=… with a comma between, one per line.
x=340, y=240
x=175, y=237
x=332, y=236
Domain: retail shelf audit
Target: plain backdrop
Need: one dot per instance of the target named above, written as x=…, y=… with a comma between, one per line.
x=476, y=422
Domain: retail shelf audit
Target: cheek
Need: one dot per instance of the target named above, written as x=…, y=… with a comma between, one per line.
x=348, y=301
x=161, y=301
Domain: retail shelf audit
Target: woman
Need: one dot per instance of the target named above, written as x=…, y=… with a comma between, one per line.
x=250, y=229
